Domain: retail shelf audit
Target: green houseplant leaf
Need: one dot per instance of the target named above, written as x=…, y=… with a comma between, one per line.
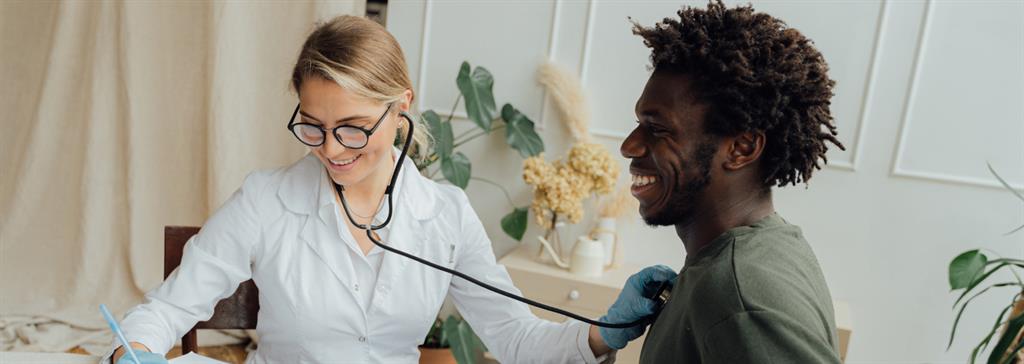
x=1000, y=350
x=978, y=281
x=514, y=223
x=456, y=169
x=436, y=337
x=1004, y=183
x=965, y=268
x=969, y=271
x=520, y=133
x=963, y=307
x=442, y=133
x=995, y=328
x=1012, y=354
x=1007, y=186
x=466, y=346
x=476, y=87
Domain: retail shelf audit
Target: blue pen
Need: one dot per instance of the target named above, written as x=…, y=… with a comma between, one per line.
x=117, y=331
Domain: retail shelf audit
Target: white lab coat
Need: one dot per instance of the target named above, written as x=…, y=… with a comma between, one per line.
x=281, y=229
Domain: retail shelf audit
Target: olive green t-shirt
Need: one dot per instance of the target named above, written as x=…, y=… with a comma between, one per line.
x=754, y=295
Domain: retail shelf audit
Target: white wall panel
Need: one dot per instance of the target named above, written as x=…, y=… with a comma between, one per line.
x=614, y=70
x=966, y=98
x=508, y=38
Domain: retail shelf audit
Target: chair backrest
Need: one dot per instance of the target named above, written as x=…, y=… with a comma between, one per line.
x=238, y=311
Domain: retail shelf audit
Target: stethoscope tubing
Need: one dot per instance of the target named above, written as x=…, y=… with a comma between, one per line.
x=369, y=228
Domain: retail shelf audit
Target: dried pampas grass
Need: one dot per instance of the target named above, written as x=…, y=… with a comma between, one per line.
x=565, y=89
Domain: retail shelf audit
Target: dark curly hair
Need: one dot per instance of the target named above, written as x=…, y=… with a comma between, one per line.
x=756, y=74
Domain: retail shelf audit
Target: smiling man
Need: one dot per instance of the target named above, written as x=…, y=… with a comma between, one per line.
x=738, y=103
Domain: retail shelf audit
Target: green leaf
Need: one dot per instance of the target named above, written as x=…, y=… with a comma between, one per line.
x=995, y=328
x=965, y=268
x=466, y=346
x=442, y=133
x=436, y=337
x=520, y=133
x=1012, y=329
x=1004, y=183
x=1011, y=261
x=978, y=281
x=960, y=312
x=476, y=88
x=1019, y=228
x=456, y=169
x=514, y=224
x=1013, y=354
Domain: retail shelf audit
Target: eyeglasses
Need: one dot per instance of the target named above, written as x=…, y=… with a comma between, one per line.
x=350, y=136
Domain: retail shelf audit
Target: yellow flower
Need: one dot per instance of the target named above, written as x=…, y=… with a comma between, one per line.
x=560, y=188
x=594, y=161
x=535, y=169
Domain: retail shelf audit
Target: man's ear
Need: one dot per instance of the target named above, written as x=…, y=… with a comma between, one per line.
x=743, y=149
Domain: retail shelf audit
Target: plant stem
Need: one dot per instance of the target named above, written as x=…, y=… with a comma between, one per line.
x=477, y=135
x=463, y=134
x=495, y=184
x=554, y=229
x=452, y=113
x=471, y=137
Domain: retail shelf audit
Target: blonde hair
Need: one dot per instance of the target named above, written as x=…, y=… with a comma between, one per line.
x=364, y=58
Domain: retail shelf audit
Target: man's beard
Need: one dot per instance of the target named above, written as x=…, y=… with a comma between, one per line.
x=680, y=207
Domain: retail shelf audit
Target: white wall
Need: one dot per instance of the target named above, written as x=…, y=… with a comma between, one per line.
x=928, y=92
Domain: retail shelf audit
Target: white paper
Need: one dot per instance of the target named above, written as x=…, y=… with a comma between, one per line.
x=193, y=358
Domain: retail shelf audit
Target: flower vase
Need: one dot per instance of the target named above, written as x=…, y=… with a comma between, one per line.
x=550, y=250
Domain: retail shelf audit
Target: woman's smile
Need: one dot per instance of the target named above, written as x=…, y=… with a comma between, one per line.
x=343, y=165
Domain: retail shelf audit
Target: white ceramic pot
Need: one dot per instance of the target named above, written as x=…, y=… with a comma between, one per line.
x=606, y=235
x=587, y=258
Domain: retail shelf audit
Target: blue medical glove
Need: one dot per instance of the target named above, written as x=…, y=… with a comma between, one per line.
x=145, y=357
x=633, y=304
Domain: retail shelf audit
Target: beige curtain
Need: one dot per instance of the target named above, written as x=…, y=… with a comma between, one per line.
x=120, y=118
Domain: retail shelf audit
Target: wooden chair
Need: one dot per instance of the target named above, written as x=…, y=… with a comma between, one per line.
x=235, y=312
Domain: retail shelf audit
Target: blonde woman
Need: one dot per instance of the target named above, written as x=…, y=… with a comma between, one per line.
x=327, y=292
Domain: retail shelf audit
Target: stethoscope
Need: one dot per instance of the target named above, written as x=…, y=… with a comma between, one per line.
x=660, y=297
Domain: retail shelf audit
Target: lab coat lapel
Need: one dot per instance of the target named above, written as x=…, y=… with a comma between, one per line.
x=320, y=238
x=402, y=236
x=304, y=190
x=416, y=204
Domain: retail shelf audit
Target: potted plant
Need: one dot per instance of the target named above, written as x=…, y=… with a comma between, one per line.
x=968, y=273
x=451, y=341
x=475, y=86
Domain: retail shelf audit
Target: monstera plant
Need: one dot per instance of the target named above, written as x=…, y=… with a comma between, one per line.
x=475, y=86
x=451, y=339
x=969, y=273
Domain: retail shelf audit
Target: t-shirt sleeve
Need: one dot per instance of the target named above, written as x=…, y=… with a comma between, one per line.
x=765, y=337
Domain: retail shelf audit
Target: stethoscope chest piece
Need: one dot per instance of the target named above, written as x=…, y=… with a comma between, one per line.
x=661, y=297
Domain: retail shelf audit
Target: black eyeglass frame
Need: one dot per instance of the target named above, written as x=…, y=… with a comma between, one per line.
x=334, y=131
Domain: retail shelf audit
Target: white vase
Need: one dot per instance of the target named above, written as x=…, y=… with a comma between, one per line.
x=606, y=234
x=550, y=249
x=587, y=258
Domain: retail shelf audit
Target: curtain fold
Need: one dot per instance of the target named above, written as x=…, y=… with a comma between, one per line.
x=120, y=117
